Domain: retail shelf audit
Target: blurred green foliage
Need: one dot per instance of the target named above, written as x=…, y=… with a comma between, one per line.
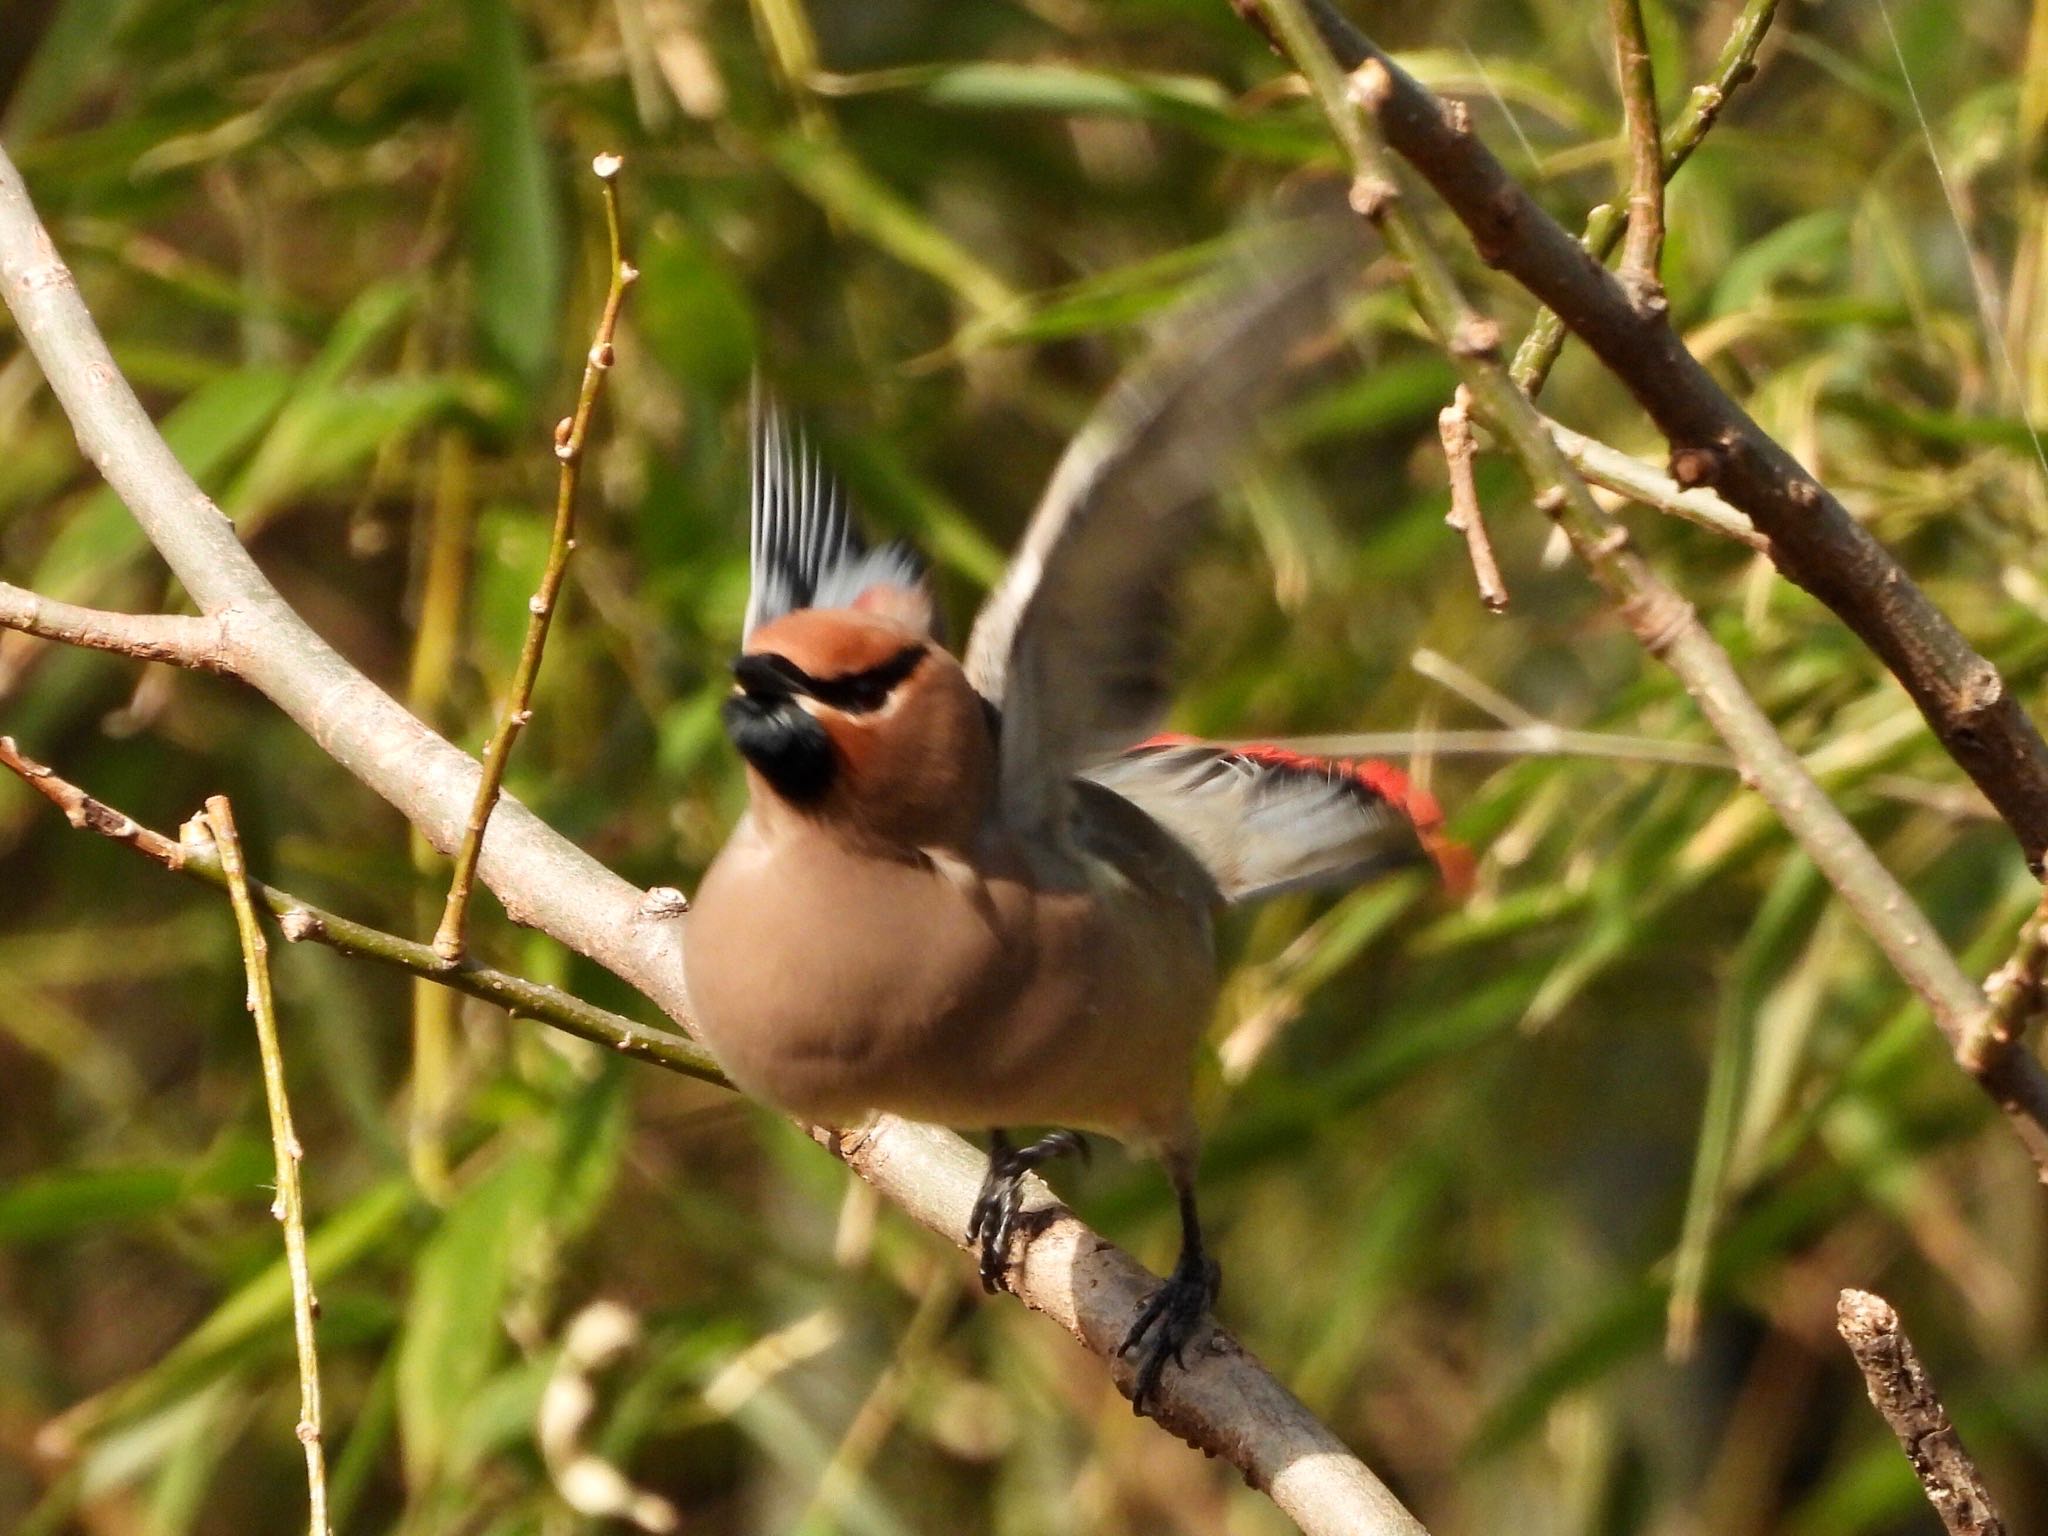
x=1474, y=1173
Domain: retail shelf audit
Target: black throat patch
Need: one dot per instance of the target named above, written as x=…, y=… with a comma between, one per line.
x=786, y=746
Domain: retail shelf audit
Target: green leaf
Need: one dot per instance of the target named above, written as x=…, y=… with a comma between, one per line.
x=451, y=1337
x=514, y=226
x=261, y=1304
x=842, y=186
x=56, y=1204
x=72, y=55
x=693, y=311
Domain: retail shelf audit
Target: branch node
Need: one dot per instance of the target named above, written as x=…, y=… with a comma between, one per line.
x=661, y=903
x=1695, y=466
x=1372, y=196
x=1476, y=338
x=1371, y=85
x=298, y=925
x=1656, y=617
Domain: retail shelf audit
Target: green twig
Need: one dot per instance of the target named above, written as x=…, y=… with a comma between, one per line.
x=2015, y=991
x=1663, y=621
x=1642, y=255
x=569, y=438
x=301, y=921
x=290, y=1205
x=1604, y=226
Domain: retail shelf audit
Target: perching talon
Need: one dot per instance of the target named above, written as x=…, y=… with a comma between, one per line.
x=993, y=1226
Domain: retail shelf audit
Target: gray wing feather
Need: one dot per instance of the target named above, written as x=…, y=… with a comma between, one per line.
x=1073, y=645
x=805, y=550
x=1261, y=826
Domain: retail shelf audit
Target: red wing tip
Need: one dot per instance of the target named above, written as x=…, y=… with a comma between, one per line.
x=1456, y=864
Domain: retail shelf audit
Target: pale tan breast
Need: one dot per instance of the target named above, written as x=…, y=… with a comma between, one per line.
x=832, y=983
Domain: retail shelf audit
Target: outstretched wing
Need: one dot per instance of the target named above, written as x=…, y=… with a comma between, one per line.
x=1264, y=820
x=1073, y=645
x=806, y=552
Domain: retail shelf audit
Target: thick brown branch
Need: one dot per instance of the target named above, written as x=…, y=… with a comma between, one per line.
x=183, y=640
x=1901, y=1392
x=1226, y=1403
x=1814, y=540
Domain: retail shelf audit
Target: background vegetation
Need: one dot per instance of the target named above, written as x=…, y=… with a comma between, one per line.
x=1542, y=1202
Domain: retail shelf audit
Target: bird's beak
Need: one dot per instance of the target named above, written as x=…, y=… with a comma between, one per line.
x=766, y=677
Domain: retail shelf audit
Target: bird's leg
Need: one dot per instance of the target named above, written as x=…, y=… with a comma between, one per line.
x=1175, y=1311
x=993, y=1226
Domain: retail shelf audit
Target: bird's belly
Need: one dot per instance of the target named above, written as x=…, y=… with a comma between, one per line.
x=833, y=992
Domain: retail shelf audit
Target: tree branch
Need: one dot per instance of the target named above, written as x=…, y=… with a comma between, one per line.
x=1225, y=1403
x=183, y=640
x=1663, y=621
x=1814, y=540
x=1900, y=1391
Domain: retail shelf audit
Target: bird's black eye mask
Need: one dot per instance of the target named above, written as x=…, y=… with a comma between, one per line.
x=853, y=693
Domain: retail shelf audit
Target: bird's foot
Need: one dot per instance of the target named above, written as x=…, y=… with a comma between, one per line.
x=1169, y=1323
x=997, y=1209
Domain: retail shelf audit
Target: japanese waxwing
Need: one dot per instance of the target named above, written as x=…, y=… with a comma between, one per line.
x=980, y=894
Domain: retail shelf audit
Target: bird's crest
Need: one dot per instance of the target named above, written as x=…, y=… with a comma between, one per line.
x=806, y=552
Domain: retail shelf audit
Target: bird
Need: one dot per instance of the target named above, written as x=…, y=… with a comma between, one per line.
x=979, y=890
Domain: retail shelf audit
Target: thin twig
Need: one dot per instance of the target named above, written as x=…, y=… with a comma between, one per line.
x=1814, y=540
x=1663, y=621
x=1645, y=484
x=569, y=436
x=1901, y=1392
x=290, y=1205
x=302, y=922
x=183, y=640
x=1454, y=424
x=1642, y=255
x=1737, y=63
x=2015, y=990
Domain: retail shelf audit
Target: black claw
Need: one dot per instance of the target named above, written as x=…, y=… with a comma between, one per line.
x=1168, y=1324
x=999, y=1207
